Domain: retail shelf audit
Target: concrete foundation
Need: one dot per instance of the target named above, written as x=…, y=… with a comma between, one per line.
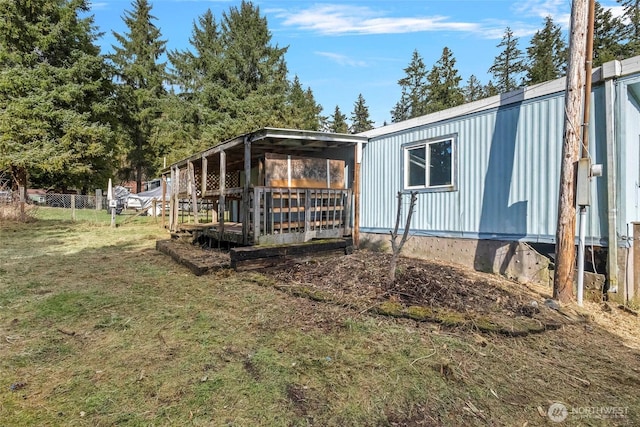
x=515, y=260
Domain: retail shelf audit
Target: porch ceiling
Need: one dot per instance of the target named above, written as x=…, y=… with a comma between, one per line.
x=271, y=140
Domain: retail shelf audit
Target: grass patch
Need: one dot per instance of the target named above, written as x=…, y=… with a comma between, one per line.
x=69, y=305
x=99, y=329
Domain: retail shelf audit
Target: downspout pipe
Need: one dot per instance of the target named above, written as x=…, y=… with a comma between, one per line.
x=611, y=70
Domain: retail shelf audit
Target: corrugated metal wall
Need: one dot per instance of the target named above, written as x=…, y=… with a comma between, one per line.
x=508, y=166
x=629, y=148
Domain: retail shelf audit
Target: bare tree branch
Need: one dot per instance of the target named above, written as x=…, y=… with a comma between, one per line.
x=396, y=247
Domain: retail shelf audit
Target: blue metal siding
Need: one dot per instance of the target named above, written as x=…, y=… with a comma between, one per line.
x=629, y=147
x=508, y=167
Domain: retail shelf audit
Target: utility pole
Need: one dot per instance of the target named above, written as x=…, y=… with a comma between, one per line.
x=573, y=108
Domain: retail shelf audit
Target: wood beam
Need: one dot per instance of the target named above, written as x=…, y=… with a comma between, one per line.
x=221, y=199
x=356, y=194
x=246, y=205
x=164, y=198
x=204, y=171
x=191, y=189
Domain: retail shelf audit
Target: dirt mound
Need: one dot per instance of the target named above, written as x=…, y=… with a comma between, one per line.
x=424, y=291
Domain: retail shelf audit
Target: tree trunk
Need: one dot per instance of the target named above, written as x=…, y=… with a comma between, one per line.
x=574, y=97
x=138, y=178
x=19, y=183
x=396, y=248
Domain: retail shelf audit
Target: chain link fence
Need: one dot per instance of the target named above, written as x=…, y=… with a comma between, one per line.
x=68, y=201
x=56, y=200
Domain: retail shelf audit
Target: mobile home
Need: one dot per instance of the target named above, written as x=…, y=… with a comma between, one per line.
x=488, y=172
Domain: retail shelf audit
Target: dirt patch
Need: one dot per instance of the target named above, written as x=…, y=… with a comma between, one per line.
x=424, y=291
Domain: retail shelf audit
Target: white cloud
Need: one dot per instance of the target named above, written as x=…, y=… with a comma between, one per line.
x=98, y=5
x=340, y=19
x=344, y=19
x=558, y=10
x=343, y=59
x=540, y=8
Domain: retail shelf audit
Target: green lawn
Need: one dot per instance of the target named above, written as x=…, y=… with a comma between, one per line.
x=99, y=329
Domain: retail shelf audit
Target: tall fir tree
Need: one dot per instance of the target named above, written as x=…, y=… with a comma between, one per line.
x=473, y=90
x=338, y=122
x=509, y=65
x=607, y=36
x=414, y=91
x=204, y=93
x=141, y=78
x=257, y=71
x=55, y=96
x=194, y=70
x=631, y=31
x=304, y=110
x=547, y=54
x=360, y=120
x=444, y=84
x=234, y=79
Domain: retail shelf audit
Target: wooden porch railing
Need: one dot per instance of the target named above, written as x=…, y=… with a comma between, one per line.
x=272, y=215
x=293, y=215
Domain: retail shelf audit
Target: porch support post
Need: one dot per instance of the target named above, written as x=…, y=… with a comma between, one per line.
x=356, y=194
x=175, y=188
x=203, y=178
x=191, y=188
x=246, y=205
x=221, y=199
x=164, y=198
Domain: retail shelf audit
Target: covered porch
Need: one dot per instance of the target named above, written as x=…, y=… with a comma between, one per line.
x=271, y=186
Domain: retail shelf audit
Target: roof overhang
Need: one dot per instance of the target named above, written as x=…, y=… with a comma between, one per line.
x=274, y=140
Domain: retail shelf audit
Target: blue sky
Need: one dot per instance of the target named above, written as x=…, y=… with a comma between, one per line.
x=344, y=48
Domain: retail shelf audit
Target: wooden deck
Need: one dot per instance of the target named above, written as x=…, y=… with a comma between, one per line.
x=273, y=216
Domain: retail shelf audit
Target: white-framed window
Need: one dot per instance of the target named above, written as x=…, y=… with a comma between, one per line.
x=430, y=164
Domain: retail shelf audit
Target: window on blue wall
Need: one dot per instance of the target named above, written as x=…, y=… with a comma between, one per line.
x=429, y=165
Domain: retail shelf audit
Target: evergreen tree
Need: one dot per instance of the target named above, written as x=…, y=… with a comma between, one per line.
x=235, y=81
x=444, y=84
x=338, y=122
x=402, y=110
x=473, y=90
x=194, y=70
x=181, y=127
x=55, y=93
x=631, y=31
x=304, y=111
x=547, y=54
x=490, y=90
x=607, y=37
x=414, y=91
x=257, y=70
x=509, y=64
x=141, y=89
x=360, y=121
x=204, y=91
